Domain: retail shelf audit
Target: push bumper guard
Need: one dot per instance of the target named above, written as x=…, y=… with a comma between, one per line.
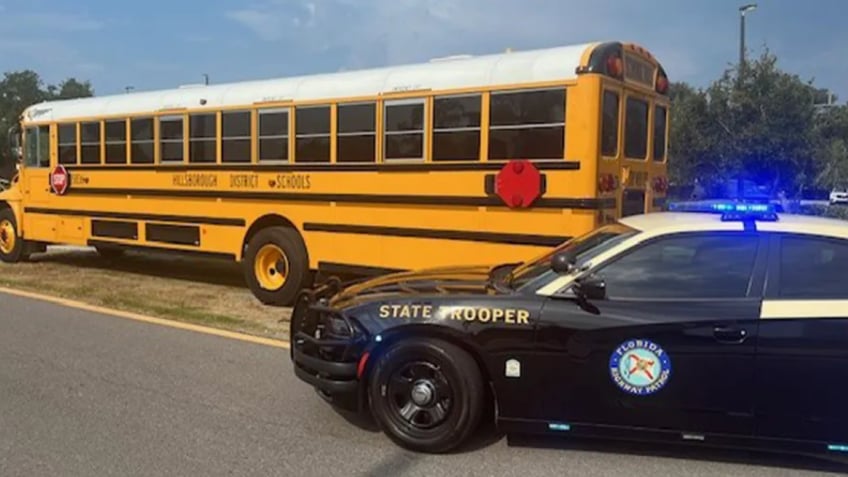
x=326, y=346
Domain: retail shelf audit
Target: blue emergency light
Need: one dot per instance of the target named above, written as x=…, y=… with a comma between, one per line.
x=730, y=211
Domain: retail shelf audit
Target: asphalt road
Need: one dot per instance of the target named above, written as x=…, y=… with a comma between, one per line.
x=88, y=394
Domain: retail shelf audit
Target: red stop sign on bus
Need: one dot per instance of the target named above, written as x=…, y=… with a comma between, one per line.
x=519, y=183
x=60, y=180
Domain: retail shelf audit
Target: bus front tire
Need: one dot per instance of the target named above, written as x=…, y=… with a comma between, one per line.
x=13, y=249
x=276, y=266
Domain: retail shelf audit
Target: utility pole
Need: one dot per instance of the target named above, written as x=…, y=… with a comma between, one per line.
x=742, y=11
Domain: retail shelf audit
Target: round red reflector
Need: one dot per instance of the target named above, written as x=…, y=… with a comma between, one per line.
x=60, y=180
x=518, y=183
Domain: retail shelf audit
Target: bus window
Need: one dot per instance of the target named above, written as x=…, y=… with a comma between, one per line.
x=609, y=127
x=660, y=114
x=274, y=135
x=312, y=137
x=37, y=147
x=171, y=138
x=235, y=136
x=357, y=131
x=116, y=142
x=527, y=124
x=203, y=138
x=67, y=144
x=456, y=128
x=142, y=141
x=90, y=142
x=404, y=129
x=636, y=129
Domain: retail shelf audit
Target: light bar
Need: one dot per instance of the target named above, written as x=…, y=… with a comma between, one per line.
x=730, y=211
x=746, y=208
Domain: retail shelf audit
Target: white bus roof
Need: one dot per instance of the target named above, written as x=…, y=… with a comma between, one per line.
x=549, y=64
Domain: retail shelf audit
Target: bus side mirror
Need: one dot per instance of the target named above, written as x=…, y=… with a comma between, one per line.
x=563, y=263
x=15, y=148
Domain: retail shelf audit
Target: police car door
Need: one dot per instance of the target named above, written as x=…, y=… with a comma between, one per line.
x=671, y=344
x=802, y=357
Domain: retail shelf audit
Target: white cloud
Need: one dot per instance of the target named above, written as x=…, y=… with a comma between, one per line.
x=272, y=20
x=367, y=33
x=373, y=32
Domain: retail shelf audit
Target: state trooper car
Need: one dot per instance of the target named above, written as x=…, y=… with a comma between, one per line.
x=727, y=327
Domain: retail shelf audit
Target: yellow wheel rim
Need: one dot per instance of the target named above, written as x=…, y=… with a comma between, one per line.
x=271, y=267
x=7, y=236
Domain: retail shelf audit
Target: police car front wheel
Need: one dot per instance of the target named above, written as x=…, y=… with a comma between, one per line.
x=427, y=394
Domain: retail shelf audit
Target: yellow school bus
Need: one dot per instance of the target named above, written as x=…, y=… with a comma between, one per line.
x=461, y=160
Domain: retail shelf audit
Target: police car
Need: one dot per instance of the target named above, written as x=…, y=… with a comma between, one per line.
x=724, y=327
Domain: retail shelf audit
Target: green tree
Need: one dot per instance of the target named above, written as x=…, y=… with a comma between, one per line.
x=690, y=141
x=72, y=88
x=832, y=147
x=762, y=126
x=766, y=125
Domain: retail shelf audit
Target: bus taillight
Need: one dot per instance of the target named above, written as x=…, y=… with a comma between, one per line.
x=660, y=184
x=607, y=183
x=615, y=66
x=662, y=83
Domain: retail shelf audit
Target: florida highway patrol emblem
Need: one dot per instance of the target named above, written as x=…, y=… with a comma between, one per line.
x=640, y=367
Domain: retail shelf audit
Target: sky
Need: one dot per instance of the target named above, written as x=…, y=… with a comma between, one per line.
x=154, y=44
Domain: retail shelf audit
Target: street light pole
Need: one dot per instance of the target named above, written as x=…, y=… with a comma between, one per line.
x=742, y=11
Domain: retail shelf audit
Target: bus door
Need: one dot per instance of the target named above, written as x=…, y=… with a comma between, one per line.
x=609, y=168
x=659, y=154
x=634, y=162
x=35, y=181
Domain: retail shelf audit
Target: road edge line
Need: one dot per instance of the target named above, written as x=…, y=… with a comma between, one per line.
x=148, y=319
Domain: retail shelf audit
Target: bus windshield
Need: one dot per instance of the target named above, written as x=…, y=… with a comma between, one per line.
x=584, y=249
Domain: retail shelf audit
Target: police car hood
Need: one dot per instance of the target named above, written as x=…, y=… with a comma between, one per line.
x=434, y=281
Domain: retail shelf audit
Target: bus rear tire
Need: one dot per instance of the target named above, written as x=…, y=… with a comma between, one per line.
x=276, y=266
x=13, y=248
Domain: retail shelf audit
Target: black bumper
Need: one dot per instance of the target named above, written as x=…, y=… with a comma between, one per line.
x=322, y=356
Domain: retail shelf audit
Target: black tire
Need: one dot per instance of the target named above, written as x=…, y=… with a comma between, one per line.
x=19, y=251
x=297, y=276
x=110, y=253
x=464, y=395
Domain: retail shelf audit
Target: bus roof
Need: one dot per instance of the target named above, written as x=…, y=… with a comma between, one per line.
x=540, y=65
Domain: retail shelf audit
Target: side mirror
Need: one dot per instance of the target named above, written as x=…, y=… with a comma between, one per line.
x=562, y=263
x=15, y=147
x=592, y=287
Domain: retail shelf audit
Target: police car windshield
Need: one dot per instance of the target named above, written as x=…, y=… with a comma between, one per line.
x=584, y=249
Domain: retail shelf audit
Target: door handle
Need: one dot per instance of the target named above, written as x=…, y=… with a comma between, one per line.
x=729, y=334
